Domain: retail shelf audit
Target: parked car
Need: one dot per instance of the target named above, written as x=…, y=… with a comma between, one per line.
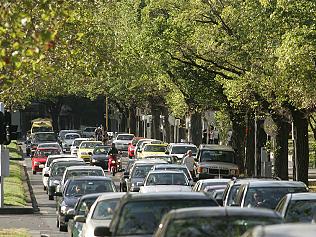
x=73, y=189
x=152, y=149
x=121, y=141
x=45, y=168
x=165, y=181
x=266, y=194
x=201, y=184
x=67, y=141
x=56, y=171
x=139, y=214
x=88, y=132
x=86, y=148
x=100, y=156
x=82, y=209
x=75, y=145
x=282, y=230
x=214, y=221
x=131, y=147
x=100, y=214
x=180, y=149
x=173, y=167
x=216, y=161
x=298, y=207
x=139, y=172
x=40, y=156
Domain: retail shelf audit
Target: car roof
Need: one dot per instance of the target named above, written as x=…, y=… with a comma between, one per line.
x=124, y=134
x=47, y=148
x=90, y=195
x=91, y=141
x=84, y=168
x=154, y=144
x=82, y=139
x=285, y=230
x=213, y=180
x=110, y=195
x=90, y=178
x=303, y=196
x=61, y=156
x=164, y=196
x=72, y=133
x=165, y=172
x=216, y=147
x=275, y=183
x=175, y=166
x=182, y=144
x=222, y=211
x=76, y=160
x=149, y=161
x=43, y=133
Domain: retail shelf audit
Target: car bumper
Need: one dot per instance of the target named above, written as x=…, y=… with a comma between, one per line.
x=213, y=176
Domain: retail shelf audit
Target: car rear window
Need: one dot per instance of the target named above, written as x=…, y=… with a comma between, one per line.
x=143, y=217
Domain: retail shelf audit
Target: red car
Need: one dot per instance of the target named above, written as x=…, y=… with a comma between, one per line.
x=131, y=147
x=40, y=157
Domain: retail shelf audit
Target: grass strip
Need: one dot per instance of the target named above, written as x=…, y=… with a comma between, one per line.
x=14, y=193
x=14, y=233
x=15, y=151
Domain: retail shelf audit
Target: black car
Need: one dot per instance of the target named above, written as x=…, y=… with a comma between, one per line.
x=140, y=214
x=75, y=188
x=100, y=156
x=82, y=207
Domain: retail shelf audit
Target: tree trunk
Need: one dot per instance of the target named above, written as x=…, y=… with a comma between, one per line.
x=166, y=124
x=155, y=125
x=261, y=141
x=281, y=150
x=123, y=123
x=250, y=146
x=132, y=119
x=301, y=144
x=54, y=111
x=196, y=128
x=238, y=140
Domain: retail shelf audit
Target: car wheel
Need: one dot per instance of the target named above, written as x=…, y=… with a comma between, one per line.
x=50, y=197
x=45, y=188
x=34, y=172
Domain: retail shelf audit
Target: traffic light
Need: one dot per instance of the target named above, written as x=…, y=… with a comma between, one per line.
x=8, y=132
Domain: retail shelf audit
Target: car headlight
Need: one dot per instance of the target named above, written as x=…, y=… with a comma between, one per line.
x=64, y=209
x=94, y=160
x=232, y=172
x=202, y=170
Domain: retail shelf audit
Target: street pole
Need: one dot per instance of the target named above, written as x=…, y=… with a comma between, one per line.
x=256, y=170
x=1, y=166
x=106, y=113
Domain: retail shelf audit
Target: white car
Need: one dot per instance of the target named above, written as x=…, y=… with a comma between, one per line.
x=122, y=140
x=180, y=149
x=88, y=132
x=68, y=140
x=75, y=145
x=166, y=181
x=203, y=183
x=45, y=167
x=100, y=213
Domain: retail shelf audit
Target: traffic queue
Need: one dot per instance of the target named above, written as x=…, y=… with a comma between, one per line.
x=163, y=189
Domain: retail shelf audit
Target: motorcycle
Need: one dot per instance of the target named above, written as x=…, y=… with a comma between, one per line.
x=113, y=165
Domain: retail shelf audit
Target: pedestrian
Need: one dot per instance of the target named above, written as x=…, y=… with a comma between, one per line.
x=211, y=135
x=189, y=162
x=105, y=137
x=229, y=137
x=215, y=136
x=204, y=138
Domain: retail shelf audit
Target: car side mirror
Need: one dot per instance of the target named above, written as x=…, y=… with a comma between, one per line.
x=56, y=182
x=71, y=213
x=58, y=194
x=102, y=231
x=46, y=175
x=90, y=153
x=80, y=218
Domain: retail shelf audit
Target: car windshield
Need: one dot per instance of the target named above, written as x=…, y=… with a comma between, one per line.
x=71, y=136
x=44, y=145
x=301, y=211
x=104, y=209
x=101, y=150
x=268, y=197
x=77, y=142
x=46, y=153
x=219, y=156
x=184, y=169
x=84, y=172
x=81, y=187
x=89, y=145
x=124, y=137
x=183, y=149
x=42, y=129
x=143, y=217
x=84, y=205
x=216, y=226
x=89, y=129
x=59, y=167
x=166, y=179
x=141, y=171
x=44, y=137
x=154, y=148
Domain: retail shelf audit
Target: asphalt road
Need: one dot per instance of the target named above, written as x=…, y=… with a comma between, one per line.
x=42, y=223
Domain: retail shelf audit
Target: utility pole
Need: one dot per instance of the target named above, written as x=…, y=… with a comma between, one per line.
x=256, y=168
x=107, y=113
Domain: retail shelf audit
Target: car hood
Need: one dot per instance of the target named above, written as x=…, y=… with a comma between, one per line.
x=68, y=142
x=71, y=201
x=126, y=142
x=85, y=150
x=165, y=188
x=148, y=153
x=218, y=165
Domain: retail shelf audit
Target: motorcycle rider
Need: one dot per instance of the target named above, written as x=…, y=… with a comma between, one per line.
x=113, y=152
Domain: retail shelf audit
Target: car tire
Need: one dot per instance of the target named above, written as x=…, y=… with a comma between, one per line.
x=34, y=171
x=45, y=188
x=50, y=197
